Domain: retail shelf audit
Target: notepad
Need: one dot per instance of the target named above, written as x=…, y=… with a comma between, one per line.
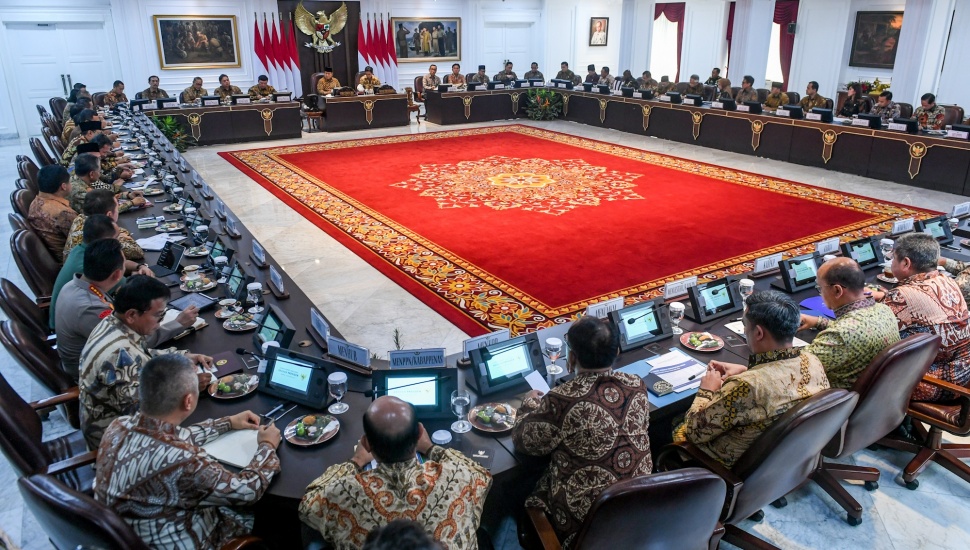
x=677, y=368
x=738, y=328
x=235, y=448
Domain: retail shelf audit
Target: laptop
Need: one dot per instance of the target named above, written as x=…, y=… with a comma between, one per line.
x=168, y=262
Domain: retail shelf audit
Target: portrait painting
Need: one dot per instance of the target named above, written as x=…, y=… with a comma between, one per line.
x=421, y=40
x=875, y=39
x=197, y=41
x=599, y=31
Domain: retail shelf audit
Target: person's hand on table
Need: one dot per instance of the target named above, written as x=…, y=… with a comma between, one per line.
x=808, y=322
x=424, y=440
x=246, y=420
x=727, y=369
x=537, y=394
x=137, y=194
x=711, y=380
x=143, y=269
x=125, y=174
x=269, y=435
x=362, y=456
x=188, y=316
x=202, y=360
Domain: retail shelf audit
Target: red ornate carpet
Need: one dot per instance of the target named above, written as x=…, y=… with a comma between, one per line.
x=519, y=227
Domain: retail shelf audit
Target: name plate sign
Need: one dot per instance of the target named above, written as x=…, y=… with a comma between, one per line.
x=319, y=324
x=957, y=134
x=413, y=358
x=617, y=92
x=902, y=226
x=535, y=83
x=276, y=278
x=717, y=105
x=637, y=95
x=783, y=112
x=860, y=122
x=664, y=98
x=766, y=263
x=813, y=116
x=259, y=252
x=602, y=310
x=484, y=341
x=960, y=210
x=895, y=126
x=351, y=353
x=210, y=103
x=242, y=101
x=744, y=108
x=560, y=84
x=828, y=246
x=282, y=98
x=500, y=86
x=679, y=288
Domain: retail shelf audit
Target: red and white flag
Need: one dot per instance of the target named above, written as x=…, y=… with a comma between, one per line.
x=374, y=49
x=294, y=50
x=259, y=65
x=391, y=54
x=361, y=45
x=284, y=59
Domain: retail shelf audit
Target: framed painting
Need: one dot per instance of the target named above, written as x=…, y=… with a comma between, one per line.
x=599, y=31
x=197, y=41
x=875, y=39
x=424, y=39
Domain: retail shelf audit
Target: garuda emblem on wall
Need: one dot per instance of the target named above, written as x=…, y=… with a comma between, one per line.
x=320, y=27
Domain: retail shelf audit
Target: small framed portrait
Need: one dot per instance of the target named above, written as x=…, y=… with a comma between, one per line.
x=197, y=41
x=599, y=31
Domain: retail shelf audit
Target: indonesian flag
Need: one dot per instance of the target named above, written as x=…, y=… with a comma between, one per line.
x=385, y=58
x=361, y=45
x=295, y=62
x=285, y=58
x=373, y=50
x=391, y=54
x=259, y=53
x=268, y=59
x=277, y=56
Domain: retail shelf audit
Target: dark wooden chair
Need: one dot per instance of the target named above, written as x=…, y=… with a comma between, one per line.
x=36, y=264
x=884, y=389
x=57, y=108
x=98, y=98
x=412, y=106
x=419, y=89
x=18, y=306
x=953, y=114
x=20, y=199
x=18, y=222
x=28, y=170
x=677, y=509
x=905, y=109
x=794, y=98
x=40, y=152
x=40, y=361
x=780, y=460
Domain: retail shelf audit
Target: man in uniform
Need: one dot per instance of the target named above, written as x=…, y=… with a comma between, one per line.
x=506, y=76
x=715, y=76
x=812, y=98
x=89, y=129
x=455, y=78
x=195, y=91
x=694, y=86
x=747, y=92
x=646, y=82
x=226, y=89
x=369, y=81
x=153, y=91
x=87, y=176
x=116, y=95
x=402, y=41
x=327, y=84
x=776, y=98
x=431, y=81
x=564, y=72
x=262, y=89
x=665, y=85
x=605, y=77
x=591, y=76
x=480, y=77
x=534, y=73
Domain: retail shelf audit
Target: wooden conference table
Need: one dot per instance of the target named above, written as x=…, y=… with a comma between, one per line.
x=365, y=111
x=922, y=160
x=238, y=123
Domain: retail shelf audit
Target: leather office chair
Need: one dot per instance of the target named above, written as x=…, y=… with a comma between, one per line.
x=20, y=183
x=42, y=111
x=709, y=92
x=49, y=123
x=953, y=114
x=21, y=441
x=762, y=94
x=829, y=104
x=867, y=103
x=357, y=79
x=40, y=153
x=137, y=95
x=314, y=78
x=36, y=264
x=735, y=90
x=56, y=145
x=884, y=389
x=18, y=306
x=18, y=222
x=181, y=98
x=577, y=80
x=29, y=171
x=98, y=98
x=794, y=98
x=40, y=361
x=677, y=509
x=412, y=106
x=780, y=460
x=905, y=110
x=681, y=87
x=468, y=77
x=57, y=108
x=20, y=199
x=74, y=520
x=419, y=89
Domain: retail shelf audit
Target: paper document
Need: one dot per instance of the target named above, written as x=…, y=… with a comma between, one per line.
x=737, y=328
x=537, y=381
x=682, y=371
x=235, y=448
x=157, y=242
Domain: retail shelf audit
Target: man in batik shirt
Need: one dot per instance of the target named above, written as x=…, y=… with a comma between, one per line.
x=116, y=351
x=885, y=107
x=594, y=427
x=961, y=272
x=116, y=95
x=445, y=494
x=50, y=214
x=861, y=329
x=736, y=404
x=927, y=301
x=929, y=115
x=155, y=475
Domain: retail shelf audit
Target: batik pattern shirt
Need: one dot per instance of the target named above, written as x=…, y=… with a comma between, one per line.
x=71, y=150
x=80, y=188
x=111, y=364
x=773, y=101
x=746, y=95
x=190, y=94
x=256, y=93
x=809, y=103
x=129, y=247
x=533, y=75
x=932, y=303
x=148, y=93
x=445, y=495
x=848, y=344
x=112, y=98
x=223, y=93
x=962, y=272
x=568, y=74
x=696, y=89
x=931, y=119
x=888, y=113
x=595, y=429
x=431, y=82
x=648, y=84
x=325, y=86
x=724, y=423
x=51, y=217
x=157, y=477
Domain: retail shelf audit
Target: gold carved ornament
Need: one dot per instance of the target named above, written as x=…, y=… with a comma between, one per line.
x=195, y=124
x=757, y=127
x=515, y=103
x=603, y=104
x=646, y=116
x=565, y=104
x=369, y=110
x=321, y=27
x=467, y=101
x=828, y=141
x=917, y=151
x=697, y=117
x=267, y=115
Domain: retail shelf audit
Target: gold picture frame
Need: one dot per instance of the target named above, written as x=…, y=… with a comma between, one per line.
x=184, y=41
x=420, y=52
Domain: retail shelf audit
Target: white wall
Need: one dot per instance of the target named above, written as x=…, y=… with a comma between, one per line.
x=820, y=44
x=853, y=74
x=8, y=126
x=704, y=47
x=955, y=79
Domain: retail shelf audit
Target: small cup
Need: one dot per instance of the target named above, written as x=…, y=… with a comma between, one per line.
x=828, y=257
x=676, y=306
x=191, y=272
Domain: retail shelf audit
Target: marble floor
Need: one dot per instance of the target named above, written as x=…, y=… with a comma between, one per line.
x=367, y=307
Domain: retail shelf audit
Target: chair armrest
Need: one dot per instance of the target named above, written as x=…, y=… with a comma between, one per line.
x=72, y=394
x=247, y=541
x=72, y=463
x=43, y=301
x=704, y=460
x=547, y=536
x=948, y=386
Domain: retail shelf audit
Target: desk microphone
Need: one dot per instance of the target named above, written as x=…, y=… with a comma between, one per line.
x=243, y=351
x=374, y=392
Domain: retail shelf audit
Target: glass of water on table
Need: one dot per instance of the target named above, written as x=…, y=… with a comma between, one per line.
x=460, y=401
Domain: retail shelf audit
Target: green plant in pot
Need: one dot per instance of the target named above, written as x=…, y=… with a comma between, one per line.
x=174, y=131
x=543, y=104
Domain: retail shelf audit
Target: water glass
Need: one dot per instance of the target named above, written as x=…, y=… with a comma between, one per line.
x=745, y=288
x=460, y=401
x=676, y=310
x=254, y=295
x=337, y=383
x=954, y=224
x=553, y=351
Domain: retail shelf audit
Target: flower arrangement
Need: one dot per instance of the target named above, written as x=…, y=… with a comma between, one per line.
x=875, y=87
x=543, y=104
x=176, y=135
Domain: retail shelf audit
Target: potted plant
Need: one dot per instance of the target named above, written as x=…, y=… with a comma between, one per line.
x=542, y=104
x=177, y=135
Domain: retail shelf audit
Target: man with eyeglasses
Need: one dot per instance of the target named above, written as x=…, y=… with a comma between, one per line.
x=116, y=351
x=861, y=329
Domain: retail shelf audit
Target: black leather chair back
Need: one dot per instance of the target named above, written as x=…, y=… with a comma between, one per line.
x=21, y=433
x=419, y=88
x=56, y=145
x=20, y=199
x=762, y=94
x=98, y=98
x=18, y=222
x=40, y=361
x=29, y=171
x=40, y=153
x=36, y=264
x=681, y=87
x=42, y=111
x=57, y=108
x=953, y=114
x=677, y=509
x=867, y=103
x=74, y=520
x=784, y=455
x=794, y=98
x=905, y=110
x=20, y=307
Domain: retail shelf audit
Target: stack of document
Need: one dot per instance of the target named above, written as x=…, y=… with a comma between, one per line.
x=157, y=242
x=680, y=370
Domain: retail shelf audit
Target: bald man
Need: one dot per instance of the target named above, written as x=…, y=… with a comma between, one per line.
x=444, y=494
x=861, y=329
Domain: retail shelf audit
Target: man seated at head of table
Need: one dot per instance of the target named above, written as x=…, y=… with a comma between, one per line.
x=455, y=78
x=665, y=85
x=565, y=73
x=747, y=91
x=592, y=77
x=506, y=75
x=203, y=504
x=885, y=107
x=116, y=95
x=929, y=115
x=736, y=404
x=568, y=424
x=480, y=77
x=431, y=81
x=445, y=494
x=261, y=91
x=194, y=92
x=776, y=98
x=534, y=73
x=153, y=91
x=812, y=98
x=226, y=89
x=87, y=176
x=368, y=81
x=327, y=84
x=927, y=301
x=50, y=214
x=646, y=82
x=861, y=329
x=116, y=351
x=694, y=86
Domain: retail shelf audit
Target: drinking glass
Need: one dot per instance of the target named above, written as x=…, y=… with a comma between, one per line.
x=886, y=246
x=220, y=263
x=745, y=288
x=201, y=233
x=553, y=352
x=954, y=224
x=337, y=382
x=460, y=400
x=254, y=294
x=676, y=316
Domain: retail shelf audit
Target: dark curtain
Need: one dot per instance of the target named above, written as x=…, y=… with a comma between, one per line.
x=728, y=36
x=786, y=11
x=342, y=59
x=674, y=12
